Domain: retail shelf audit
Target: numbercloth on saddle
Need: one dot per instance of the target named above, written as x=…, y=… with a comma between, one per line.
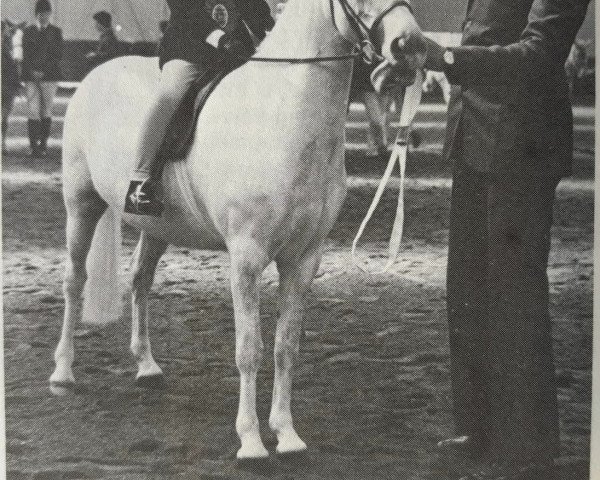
x=180, y=131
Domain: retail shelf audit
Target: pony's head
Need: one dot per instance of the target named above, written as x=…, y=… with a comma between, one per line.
x=388, y=24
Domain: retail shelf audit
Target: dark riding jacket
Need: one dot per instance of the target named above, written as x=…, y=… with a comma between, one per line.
x=512, y=108
x=42, y=51
x=193, y=21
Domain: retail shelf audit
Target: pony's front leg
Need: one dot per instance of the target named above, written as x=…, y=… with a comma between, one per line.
x=247, y=264
x=295, y=277
x=147, y=255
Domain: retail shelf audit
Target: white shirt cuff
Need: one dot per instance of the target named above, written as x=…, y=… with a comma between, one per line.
x=214, y=37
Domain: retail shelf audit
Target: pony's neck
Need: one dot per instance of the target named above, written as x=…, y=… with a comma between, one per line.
x=305, y=29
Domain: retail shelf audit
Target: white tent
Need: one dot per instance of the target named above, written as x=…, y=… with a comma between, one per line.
x=138, y=19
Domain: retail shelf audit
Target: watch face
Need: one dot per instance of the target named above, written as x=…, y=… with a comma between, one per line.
x=449, y=57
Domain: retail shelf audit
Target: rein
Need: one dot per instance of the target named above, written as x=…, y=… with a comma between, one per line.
x=364, y=48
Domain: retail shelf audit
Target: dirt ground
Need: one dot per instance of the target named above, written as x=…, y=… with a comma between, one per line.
x=371, y=396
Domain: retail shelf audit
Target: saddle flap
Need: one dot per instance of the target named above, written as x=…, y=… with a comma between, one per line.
x=180, y=131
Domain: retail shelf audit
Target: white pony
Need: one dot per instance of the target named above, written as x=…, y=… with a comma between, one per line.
x=264, y=179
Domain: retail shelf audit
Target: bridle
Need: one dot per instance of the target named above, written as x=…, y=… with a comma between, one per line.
x=366, y=35
x=364, y=48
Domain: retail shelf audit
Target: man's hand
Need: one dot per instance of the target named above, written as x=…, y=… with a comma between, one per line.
x=435, y=56
x=410, y=51
x=37, y=75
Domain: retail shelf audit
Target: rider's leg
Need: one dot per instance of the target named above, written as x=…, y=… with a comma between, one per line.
x=176, y=78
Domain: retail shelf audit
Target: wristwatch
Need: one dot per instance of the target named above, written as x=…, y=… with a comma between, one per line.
x=448, y=57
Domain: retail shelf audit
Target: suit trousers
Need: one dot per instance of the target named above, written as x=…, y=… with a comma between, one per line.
x=502, y=369
x=40, y=98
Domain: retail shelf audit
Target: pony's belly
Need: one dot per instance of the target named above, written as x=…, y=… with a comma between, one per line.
x=177, y=230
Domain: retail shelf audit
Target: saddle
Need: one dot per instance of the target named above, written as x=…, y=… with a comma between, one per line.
x=182, y=126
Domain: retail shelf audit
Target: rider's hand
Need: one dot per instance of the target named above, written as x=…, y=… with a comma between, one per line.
x=37, y=75
x=233, y=47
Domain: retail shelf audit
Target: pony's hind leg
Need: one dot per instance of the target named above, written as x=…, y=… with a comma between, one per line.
x=147, y=255
x=295, y=277
x=84, y=209
x=248, y=261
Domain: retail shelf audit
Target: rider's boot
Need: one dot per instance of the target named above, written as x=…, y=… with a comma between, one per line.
x=142, y=199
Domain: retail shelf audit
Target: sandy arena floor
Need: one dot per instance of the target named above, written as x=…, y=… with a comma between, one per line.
x=372, y=388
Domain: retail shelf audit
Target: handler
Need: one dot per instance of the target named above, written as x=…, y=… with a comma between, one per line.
x=201, y=36
x=510, y=135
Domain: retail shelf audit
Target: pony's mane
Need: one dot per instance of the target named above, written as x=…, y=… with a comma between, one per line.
x=288, y=36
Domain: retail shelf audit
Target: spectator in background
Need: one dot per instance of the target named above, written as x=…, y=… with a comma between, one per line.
x=42, y=53
x=10, y=78
x=108, y=44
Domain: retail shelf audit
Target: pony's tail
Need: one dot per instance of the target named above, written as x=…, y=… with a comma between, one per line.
x=102, y=301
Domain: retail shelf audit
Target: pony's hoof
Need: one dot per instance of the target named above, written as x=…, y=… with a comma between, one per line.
x=153, y=382
x=62, y=376
x=252, y=451
x=148, y=369
x=61, y=389
x=290, y=443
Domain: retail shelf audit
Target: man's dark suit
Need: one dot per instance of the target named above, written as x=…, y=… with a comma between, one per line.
x=510, y=136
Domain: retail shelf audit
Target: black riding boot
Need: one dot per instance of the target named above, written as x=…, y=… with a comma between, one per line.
x=141, y=199
x=33, y=129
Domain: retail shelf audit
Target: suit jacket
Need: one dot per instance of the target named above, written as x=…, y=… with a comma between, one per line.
x=192, y=21
x=511, y=111
x=42, y=51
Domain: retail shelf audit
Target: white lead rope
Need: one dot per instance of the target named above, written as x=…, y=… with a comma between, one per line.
x=412, y=99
